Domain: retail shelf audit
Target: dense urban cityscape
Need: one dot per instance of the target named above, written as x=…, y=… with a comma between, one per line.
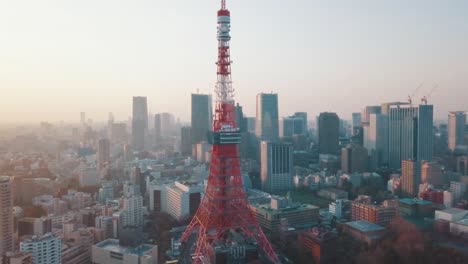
x=384, y=184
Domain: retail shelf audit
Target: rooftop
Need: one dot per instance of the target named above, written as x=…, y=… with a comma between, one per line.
x=453, y=211
x=463, y=221
x=364, y=226
x=410, y=201
x=114, y=246
x=266, y=208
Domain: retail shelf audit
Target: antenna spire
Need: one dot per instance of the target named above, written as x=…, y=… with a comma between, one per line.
x=223, y=4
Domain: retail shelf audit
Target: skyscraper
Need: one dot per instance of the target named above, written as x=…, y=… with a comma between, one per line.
x=456, y=129
x=286, y=127
x=410, y=133
x=6, y=215
x=328, y=133
x=103, y=157
x=240, y=119
x=186, y=141
x=201, y=117
x=376, y=140
x=276, y=166
x=157, y=127
x=304, y=126
x=139, y=122
x=356, y=123
x=167, y=125
x=267, y=127
x=410, y=177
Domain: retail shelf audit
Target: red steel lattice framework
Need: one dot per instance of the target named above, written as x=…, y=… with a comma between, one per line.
x=224, y=208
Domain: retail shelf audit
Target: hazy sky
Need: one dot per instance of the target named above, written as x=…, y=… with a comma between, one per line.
x=61, y=57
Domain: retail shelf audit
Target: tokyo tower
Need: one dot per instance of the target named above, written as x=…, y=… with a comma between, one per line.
x=224, y=213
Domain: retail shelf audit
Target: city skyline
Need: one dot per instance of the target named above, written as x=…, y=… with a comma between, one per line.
x=99, y=55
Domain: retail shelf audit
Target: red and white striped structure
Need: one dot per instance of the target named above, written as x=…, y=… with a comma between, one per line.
x=224, y=208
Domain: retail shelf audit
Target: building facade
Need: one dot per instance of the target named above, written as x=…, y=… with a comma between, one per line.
x=328, y=133
x=410, y=133
x=44, y=249
x=6, y=215
x=139, y=122
x=354, y=159
x=276, y=166
x=456, y=129
x=201, y=117
x=410, y=178
x=267, y=122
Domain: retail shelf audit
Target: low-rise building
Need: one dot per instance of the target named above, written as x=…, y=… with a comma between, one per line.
x=381, y=215
x=298, y=215
x=415, y=207
x=364, y=231
x=18, y=258
x=459, y=228
x=111, y=252
x=333, y=194
x=451, y=214
x=320, y=243
x=336, y=208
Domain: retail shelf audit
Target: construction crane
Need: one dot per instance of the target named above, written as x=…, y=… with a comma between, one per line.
x=410, y=97
x=426, y=97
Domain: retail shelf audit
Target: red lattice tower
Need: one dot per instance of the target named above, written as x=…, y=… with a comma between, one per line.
x=225, y=208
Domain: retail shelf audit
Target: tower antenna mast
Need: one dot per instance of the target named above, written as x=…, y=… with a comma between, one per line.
x=224, y=214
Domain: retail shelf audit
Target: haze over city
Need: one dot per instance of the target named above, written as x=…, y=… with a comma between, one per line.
x=58, y=58
x=233, y=132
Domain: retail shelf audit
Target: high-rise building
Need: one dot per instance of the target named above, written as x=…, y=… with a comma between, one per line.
x=132, y=211
x=6, y=215
x=457, y=189
x=201, y=117
x=119, y=132
x=44, y=249
x=354, y=159
x=157, y=127
x=286, y=127
x=183, y=199
x=328, y=133
x=109, y=225
x=376, y=140
x=431, y=172
x=267, y=127
x=356, y=123
x=186, y=141
x=240, y=119
x=410, y=133
x=367, y=111
x=103, y=157
x=410, y=177
x=167, y=125
x=304, y=126
x=276, y=166
x=139, y=122
x=106, y=192
x=456, y=129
